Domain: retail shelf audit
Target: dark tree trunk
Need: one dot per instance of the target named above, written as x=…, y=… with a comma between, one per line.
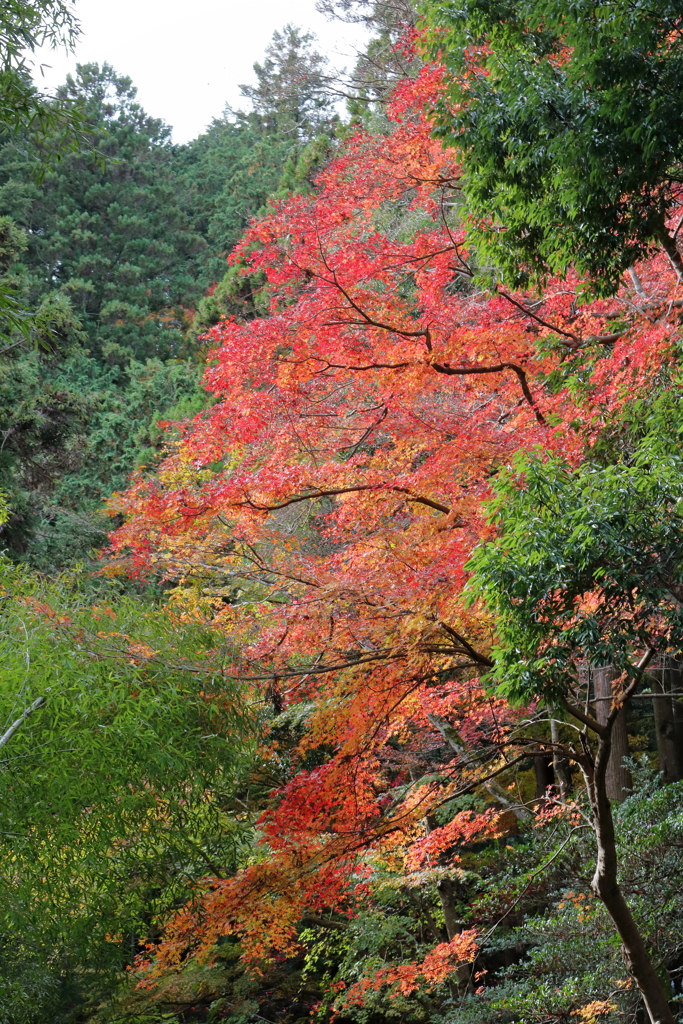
x=618, y=777
x=605, y=884
x=446, y=892
x=675, y=679
x=544, y=774
x=678, y=730
x=668, y=244
x=665, y=725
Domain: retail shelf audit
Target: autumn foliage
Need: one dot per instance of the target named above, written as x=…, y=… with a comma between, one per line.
x=322, y=511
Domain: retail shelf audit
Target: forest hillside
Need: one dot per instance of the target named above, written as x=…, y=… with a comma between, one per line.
x=341, y=481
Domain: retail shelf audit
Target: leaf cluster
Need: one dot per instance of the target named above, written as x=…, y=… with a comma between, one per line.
x=586, y=564
x=115, y=793
x=566, y=117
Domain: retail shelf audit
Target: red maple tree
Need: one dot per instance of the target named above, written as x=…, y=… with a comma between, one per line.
x=325, y=505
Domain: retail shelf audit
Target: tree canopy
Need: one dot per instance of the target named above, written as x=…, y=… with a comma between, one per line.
x=586, y=563
x=375, y=401
x=566, y=116
x=108, y=252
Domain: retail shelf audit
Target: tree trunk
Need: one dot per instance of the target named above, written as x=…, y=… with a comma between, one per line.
x=675, y=679
x=618, y=778
x=544, y=774
x=678, y=730
x=669, y=246
x=497, y=792
x=637, y=283
x=606, y=886
x=563, y=779
x=445, y=889
x=665, y=725
x=445, y=886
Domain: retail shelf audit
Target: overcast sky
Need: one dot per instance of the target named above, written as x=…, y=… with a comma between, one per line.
x=188, y=57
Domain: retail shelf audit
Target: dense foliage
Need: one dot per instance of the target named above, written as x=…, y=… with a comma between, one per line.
x=370, y=712
x=117, y=791
x=109, y=251
x=586, y=559
x=566, y=116
x=334, y=494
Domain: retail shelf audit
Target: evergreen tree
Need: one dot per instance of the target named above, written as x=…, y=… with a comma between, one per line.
x=567, y=117
x=273, y=149
x=112, y=248
x=384, y=61
x=224, y=177
x=104, y=226
x=291, y=96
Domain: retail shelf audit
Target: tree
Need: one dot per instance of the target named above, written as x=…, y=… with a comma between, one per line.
x=24, y=27
x=385, y=61
x=565, y=117
x=290, y=97
x=74, y=434
x=273, y=149
x=104, y=227
x=587, y=568
x=323, y=510
x=101, y=254
x=224, y=178
x=110, y=249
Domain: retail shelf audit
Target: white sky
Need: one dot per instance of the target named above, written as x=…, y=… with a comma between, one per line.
x=188, y=57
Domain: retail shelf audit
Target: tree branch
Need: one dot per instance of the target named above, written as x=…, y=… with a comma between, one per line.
x=480, y=659
x=331, y=492
x=582, y=716
x=39, y=702
x=544, y=323
x=461, y=371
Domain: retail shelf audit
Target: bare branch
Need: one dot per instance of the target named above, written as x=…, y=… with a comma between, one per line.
x=331, y=492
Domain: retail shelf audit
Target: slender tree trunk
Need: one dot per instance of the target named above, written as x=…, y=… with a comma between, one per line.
x=605, y=884
x=675, y=678
x=618, y=778
x=496, y=791
x=637, y=284
x=416, y=899
x=665, y=725
x=445, y=886
x=678, y=731
x=39, y=702
x=563, y=777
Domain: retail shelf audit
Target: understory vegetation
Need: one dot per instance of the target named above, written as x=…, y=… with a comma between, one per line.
x=341, y=581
